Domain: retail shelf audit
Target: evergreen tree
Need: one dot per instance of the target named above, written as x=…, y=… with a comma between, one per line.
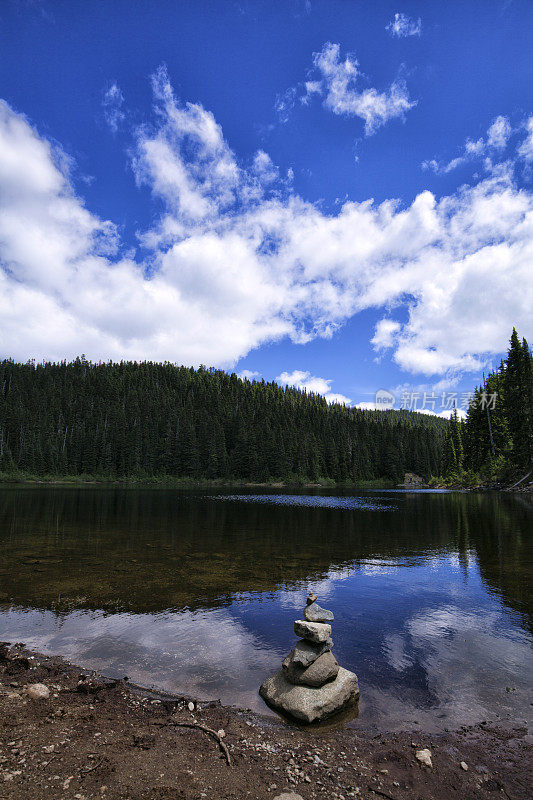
x=517, y=386
x=147, y=419
x=457, y=440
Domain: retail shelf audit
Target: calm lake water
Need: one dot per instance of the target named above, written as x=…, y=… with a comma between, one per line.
x=196, y=592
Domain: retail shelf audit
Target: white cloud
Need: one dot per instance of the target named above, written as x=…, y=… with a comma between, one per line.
x=525, y=149
x=248, y=374
x=369, y=406
x=385, y=334
x=499, y=132
x=285, y=103
x=497, y=138
x=299, y=379
x=337, y=80
x=311, y=88
x=446, y=414
x=112, y=102
x=402, y=26
x=237, y=259
x=264, y=167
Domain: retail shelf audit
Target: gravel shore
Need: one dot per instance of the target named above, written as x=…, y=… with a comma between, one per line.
x=95, y=738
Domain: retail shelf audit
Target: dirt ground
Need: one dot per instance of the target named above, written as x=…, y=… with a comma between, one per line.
x=94, y=738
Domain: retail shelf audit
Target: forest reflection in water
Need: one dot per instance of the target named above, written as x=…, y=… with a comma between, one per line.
x=197, y=591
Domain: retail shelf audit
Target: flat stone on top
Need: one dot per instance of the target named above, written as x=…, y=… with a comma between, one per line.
x=312, y=631
x=314, y=613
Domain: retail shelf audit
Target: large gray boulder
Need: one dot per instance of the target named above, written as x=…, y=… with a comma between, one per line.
x=307, y=703
x=314, y=613
x=312, y=631
x=321, y=671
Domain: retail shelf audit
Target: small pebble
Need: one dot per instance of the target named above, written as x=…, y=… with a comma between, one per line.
x=190, y=706
x=38, y=691
x=464, y=766
x=424, y=756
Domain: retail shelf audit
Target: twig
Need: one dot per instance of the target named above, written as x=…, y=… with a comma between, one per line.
x=382, y=794
x=85, y=771
x=210, y=731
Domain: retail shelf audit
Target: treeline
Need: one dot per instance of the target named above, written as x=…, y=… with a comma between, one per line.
x=148, y=419
x=496, y=440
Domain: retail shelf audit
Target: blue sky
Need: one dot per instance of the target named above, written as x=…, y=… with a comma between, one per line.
x=334, y=193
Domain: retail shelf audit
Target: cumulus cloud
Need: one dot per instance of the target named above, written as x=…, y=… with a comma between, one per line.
x=525, y=149
x=112, y=103
x=236, y=258
x=312, y=384
x=385, y=333
x=337, y=80
x=403, y=26
x=446, y=414
x=368, y=405
x=248, y=374
x=499, y=132
x=497, y=138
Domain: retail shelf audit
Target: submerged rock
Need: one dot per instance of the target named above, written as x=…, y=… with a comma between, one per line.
x=314, y=613
x=307, y=703
x=312, y=631
x=321, y=671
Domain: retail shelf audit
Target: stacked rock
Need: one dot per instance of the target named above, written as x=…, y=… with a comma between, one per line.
x=311, y=686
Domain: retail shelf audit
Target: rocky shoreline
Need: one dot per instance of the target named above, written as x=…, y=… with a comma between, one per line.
x=85, y=737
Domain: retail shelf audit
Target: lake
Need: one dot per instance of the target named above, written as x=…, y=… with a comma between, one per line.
x=195, y=592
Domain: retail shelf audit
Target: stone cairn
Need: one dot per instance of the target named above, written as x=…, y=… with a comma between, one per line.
x=311, y=686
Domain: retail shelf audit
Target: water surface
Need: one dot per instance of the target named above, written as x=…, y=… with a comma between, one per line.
x=196, y=592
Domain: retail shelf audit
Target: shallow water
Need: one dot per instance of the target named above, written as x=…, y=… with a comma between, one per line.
x=196, y=592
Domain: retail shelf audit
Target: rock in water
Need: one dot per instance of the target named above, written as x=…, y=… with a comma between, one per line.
x=313, y=613
x=311, y=686
x=321, y=671
x=304, y=653
x=312, y=631
x=308, y=703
